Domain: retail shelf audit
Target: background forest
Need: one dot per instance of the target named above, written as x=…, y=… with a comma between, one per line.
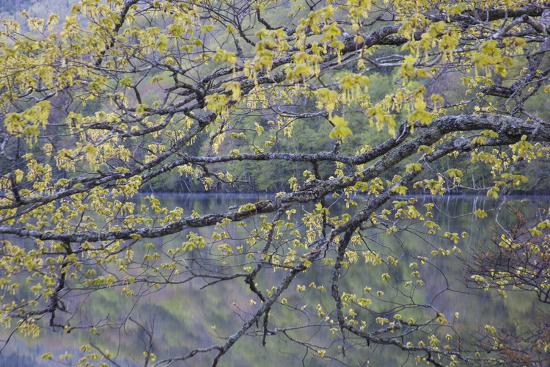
x=270, y=176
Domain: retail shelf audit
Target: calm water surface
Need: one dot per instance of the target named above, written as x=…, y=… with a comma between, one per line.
x=186, y=317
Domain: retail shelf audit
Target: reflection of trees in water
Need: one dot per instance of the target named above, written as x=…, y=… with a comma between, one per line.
x=16, y=360
x=178, y=313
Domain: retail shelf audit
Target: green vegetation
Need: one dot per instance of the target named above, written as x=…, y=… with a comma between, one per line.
x=332, y=113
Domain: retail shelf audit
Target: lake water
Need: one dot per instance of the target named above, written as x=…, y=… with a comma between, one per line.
x=185, y=316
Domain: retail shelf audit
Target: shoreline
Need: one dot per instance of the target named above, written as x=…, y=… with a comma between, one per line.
x=271, y=194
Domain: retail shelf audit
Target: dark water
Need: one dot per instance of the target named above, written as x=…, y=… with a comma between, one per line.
x=185, y=316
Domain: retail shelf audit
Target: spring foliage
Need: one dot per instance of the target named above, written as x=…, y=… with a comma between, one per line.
x=100, y=104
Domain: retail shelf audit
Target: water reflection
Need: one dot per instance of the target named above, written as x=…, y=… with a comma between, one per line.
x=186, y=316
